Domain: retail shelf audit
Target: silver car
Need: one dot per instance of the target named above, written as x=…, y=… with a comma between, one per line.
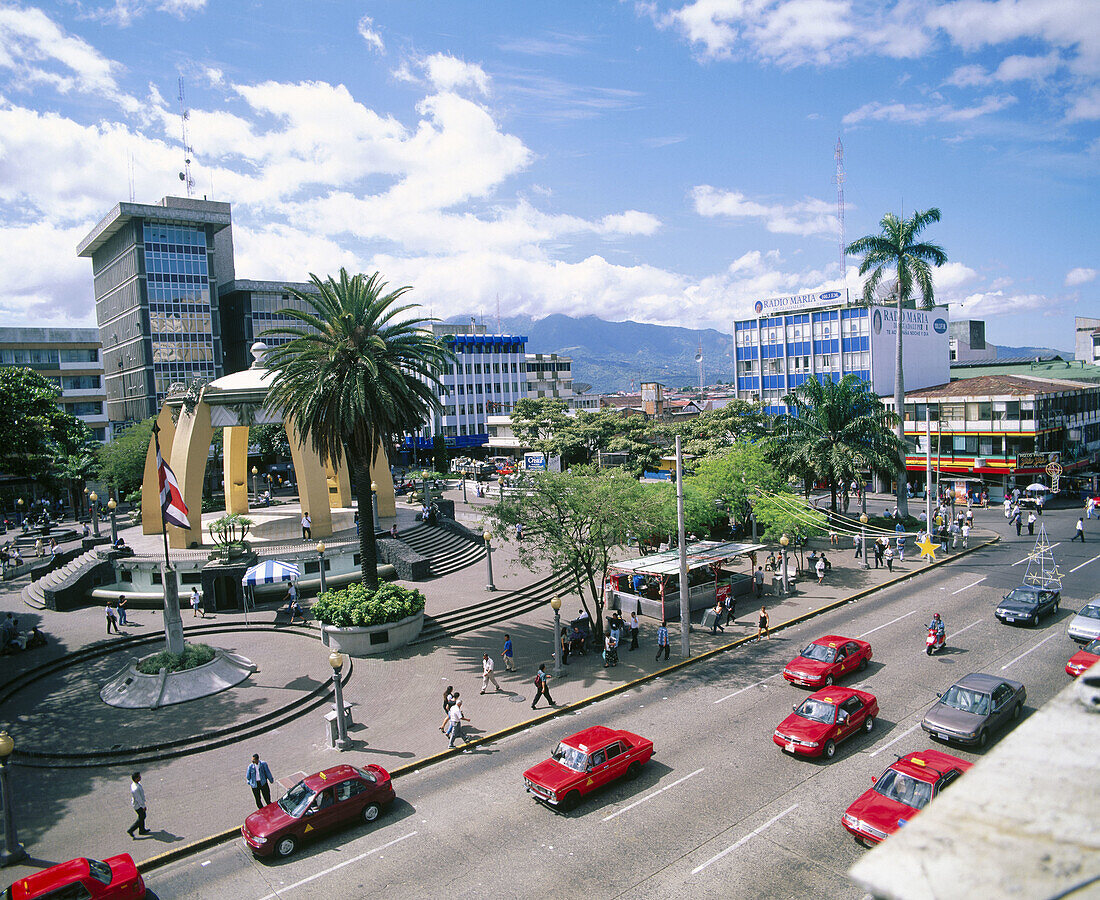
x=974, y=706
x=1085, y=626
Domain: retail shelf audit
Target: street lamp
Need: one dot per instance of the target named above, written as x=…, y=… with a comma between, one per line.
x=464, y=486
x=112, y=506
x=863, y=539
x=256, y=483
x=783, y=542
x=95, y=513
x=555, y=604
x=19, y=506
x=336, y=660
x=13, y=851
x=374, y=504
x=321, y=556
x=489, y=560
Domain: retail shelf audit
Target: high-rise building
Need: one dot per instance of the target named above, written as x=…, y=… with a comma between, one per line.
x=967, y=341
x=248, y=309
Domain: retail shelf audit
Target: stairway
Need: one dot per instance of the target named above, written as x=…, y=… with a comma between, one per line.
x=34, y=594
x=448, y=551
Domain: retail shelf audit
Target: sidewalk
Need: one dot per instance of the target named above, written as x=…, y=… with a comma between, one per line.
x=64, y=812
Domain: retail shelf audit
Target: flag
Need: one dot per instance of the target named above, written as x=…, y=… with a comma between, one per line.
x=171, y=500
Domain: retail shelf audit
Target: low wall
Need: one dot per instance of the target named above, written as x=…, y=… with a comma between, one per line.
x=373, y=639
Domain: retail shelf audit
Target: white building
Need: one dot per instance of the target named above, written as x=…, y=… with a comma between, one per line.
x=1087, y=343
x=968, y=342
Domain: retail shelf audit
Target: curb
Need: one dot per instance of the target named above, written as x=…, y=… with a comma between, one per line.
x=177, y=853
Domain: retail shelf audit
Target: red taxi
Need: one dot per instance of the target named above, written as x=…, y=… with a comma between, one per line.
x=1083, y=658
x=824, y=661
x=586, y=761
x=107, y=879
x=316, y=804
x=824, y=719
x=900, y=793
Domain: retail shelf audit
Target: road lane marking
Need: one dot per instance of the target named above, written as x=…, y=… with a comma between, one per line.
x=969, y=586
x=1026, y=652
x=968, y=627
x=895, y=740
x=891, y=622
x=331, y=869
x=750, y=687
x=1085, y=563
x=1026, y=558
x=651, y=796
x=743, y=840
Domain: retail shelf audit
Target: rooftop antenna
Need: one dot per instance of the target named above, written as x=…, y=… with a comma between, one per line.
x=185, y=175
x=699, y=361
x=838, y=155
x=130, y=172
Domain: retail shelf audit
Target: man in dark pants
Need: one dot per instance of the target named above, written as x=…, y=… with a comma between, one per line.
x=729, y=603
x=758, y=581
x=662, y=640
x=541, y=687
x=137, y=800
x=258, y=776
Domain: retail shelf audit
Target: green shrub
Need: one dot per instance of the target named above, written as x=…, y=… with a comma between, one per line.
x=357, y=605
x=193, y=655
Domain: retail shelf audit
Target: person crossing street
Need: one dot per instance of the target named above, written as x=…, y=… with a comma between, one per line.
x=1079, y=534
x=542, y=688
x=487, y=674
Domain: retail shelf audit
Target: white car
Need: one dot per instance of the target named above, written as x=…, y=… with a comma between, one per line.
x=1085, y=626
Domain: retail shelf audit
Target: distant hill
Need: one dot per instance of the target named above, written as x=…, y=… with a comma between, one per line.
x=1009, y=352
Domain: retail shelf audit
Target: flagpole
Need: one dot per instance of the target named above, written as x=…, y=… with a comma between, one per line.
x=163, y=523
x=173, y=622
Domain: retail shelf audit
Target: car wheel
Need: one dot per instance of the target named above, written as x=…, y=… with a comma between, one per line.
x=863, y=664
x=983, y=738
x=830, y=750
x=828, y=681
x=1054, y=609
x=286, y=846
x=869, y=724
x=1035, y=620
x=370, y=812
x=1016, y=711
x=633, y=770
x=571, y=800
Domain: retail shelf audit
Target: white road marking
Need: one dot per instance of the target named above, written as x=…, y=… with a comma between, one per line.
x=651, y=796
x=895, y=740
x=968, y=627
x=1026, y=558
x=743, y=840
x=891, y=622
x=1085, y=563
x=331, y=869
x=1026, y=652
x=750, y=687
x=969, y=586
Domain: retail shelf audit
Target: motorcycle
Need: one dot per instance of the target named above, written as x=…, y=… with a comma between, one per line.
x=935, y=641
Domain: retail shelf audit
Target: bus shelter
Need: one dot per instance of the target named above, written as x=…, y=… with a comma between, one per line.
x=650, y=585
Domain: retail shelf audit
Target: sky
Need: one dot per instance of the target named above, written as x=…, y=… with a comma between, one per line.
x=664, y=162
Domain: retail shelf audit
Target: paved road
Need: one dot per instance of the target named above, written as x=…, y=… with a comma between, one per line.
x=720, y=811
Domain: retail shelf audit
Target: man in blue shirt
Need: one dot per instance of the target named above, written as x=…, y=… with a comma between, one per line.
x=258, y=776
x=509, y=663
x=662, y=640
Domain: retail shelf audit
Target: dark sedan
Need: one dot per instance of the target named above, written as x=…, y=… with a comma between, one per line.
x=973, y=707
x=1028, y=603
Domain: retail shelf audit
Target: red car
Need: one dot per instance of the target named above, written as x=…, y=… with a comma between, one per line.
x=823, y=662
x=113, y=878
x=316, y=804
x=1084, y=658
x=586, y=761
x=900, y=793
x=824, y=719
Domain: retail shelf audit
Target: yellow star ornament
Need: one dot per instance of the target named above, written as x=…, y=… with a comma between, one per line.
x=927, y=548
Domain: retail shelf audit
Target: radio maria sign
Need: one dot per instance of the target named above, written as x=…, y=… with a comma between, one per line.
x=800, y=301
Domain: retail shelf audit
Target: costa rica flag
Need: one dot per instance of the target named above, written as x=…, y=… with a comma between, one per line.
x=171, y=500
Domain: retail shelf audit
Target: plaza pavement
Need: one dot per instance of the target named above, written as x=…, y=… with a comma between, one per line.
x=63, y=812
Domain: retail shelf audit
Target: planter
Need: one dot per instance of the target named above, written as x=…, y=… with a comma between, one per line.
x=131, y=689
x=372, y=639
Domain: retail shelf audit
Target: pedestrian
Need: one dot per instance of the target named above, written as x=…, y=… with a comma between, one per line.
x=1079, y=534
x=448, y=700
x=662, y=640
x=758, y=582
x=858, y=544
x=1031, y=522
x=944, y=538
x=137, y=800
x=729, y=602
x=542, y=688
x=393, y=531
x=762, y=624
x=519, y=531
x=966, y=534
x=509, y=662
x=121, y=607
x=456, y=717
x=716, y=627
x=563, y=643
x=259, y=777
x=889, y=558
x=307, y=527
x=634, y=627
x=877, y=547
x=112, y=619
x=356, y=520
x=820, y=569
x=196, y=604
x=487, y=673
x=834, y=539
x=901, y=547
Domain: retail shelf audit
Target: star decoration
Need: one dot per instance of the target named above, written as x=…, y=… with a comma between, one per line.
x=927, y=548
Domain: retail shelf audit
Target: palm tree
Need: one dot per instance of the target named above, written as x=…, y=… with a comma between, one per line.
x=832, y=430
x=360, y=370
x=895, y=248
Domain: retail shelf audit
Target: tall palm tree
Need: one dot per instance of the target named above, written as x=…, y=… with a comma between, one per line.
x=832, y=430
x=360, y=370
x=896, y=249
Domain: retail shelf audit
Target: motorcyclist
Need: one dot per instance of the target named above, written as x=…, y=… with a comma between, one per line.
x=937, y=625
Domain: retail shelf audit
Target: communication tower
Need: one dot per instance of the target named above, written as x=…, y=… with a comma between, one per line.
x=699, y=361
x=838, y=155
x=185, y=175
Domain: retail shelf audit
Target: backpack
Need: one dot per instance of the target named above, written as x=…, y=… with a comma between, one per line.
x=538, y=678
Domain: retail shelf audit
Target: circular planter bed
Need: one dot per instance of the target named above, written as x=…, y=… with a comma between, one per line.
x=367, y=640
x=131, y=689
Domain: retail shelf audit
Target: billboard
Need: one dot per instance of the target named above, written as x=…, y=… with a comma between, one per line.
x=925, y=345
x=776, y=305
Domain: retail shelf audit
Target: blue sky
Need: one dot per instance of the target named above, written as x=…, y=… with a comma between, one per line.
x=666, y=162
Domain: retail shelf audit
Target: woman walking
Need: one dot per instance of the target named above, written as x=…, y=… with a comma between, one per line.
x=762, y=624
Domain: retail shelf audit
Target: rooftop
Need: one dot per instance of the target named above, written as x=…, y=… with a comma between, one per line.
x=999, y=386
x=170, y=210
x=1044, y=367
x=49, y=336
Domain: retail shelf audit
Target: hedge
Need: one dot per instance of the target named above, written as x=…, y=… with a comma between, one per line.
x=358, y=605
x=193, y=655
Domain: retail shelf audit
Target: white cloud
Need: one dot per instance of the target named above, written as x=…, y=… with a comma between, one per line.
x=370, y=34
x=998, y=303
x=1085, y=107
x=1079, y=276
x=124, y=12
x=447, y=73
x=922, y=113
x=630, y=222
x=807, y=217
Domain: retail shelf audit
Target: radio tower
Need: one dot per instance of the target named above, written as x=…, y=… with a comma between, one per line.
x=185, y=175
x=699, y=359
x=839, y=179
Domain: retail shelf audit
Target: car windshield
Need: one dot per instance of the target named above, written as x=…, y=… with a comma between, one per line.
x=966, y=700
x=101, y=872
x=819, y=653
x=895, y=785
x=570, y=757
x=295, y=801
x=1093, y=647
x=817, y=710
x=1090, y=612
x=1023, y=596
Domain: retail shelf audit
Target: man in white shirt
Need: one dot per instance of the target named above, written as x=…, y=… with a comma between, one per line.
x=487, y=673
x=137, y=800
x=307, y=527
x=456, y=717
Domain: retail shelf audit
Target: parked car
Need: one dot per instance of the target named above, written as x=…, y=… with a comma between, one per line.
x=1085, y=626
x=1028, y=603
x=113, y=878
x=973, y=707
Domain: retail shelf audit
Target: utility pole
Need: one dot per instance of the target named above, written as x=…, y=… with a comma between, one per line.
x=685, y=597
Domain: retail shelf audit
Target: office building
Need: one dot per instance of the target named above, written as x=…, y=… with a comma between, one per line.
x=967, y=341
x=1087, y=339
x=250, y=308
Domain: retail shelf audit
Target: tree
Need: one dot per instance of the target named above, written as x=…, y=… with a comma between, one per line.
x=122, y=461
x=34, y=430
x=440, y=460
x=736, y=476
x=73, y=470
x=833, y=430
x=361, y=370
x=270, y=441
x=785, y=513
x=541, y=423
x=895, y=248
x=711, y=431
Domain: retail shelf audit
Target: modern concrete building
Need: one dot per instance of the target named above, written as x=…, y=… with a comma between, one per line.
x=1051, y=366
x=69, y=358
x=1087, y=339
x=248, y=310
x=967, y=341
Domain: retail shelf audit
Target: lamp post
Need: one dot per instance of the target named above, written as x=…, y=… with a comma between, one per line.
x=112, y=506
x=256, y=483
x=13, y=851
x=374, y=504
x=95, y=513
x=336, y=660
x=555, y=604
x=464, y=487
x=489, y=560
x=863, y=539
x=783, y=542
x=19, y=507
x=321, y=557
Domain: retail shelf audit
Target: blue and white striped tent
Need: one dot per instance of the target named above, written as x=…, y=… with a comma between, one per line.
x=270, y=571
